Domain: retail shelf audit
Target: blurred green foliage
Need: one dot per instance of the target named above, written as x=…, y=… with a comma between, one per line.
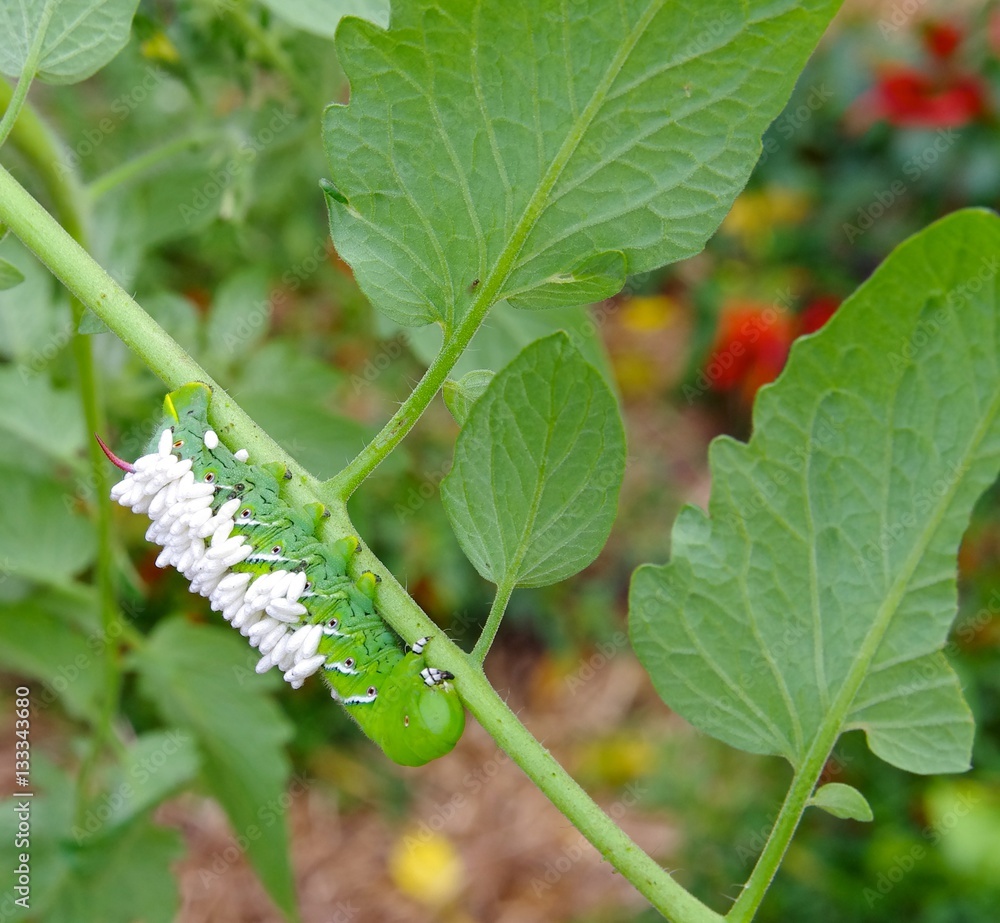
x=199, y=147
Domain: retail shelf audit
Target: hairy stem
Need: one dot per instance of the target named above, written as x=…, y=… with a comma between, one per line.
x=492, y=625
x=99, y=292
x=777, y=842
x=342, y=485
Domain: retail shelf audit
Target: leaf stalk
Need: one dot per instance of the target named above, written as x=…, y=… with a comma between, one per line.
x=20, y=93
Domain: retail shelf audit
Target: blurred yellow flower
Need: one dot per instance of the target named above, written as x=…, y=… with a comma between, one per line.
x=426, y=867
x=617, y=759
x=635, y=373
x=158, y=47
x=758, y=212
x=645, y=313
x=548, y=681
x=345, y=773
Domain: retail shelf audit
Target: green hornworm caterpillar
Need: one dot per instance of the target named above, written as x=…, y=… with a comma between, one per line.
x=223, y=523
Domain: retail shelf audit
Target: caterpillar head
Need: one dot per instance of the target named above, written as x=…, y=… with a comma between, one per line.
x=189, y=402
x=416, y=722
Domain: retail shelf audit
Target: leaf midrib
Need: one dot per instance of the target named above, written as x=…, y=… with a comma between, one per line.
x=836, y=717
x=536, y=204
x=510, y=574
x=555, y=517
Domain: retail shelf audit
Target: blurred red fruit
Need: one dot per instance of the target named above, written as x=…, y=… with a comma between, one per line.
x=750, y=347
x=912, y=99
x=942, y=38
x=752, y=342
x=817, y=313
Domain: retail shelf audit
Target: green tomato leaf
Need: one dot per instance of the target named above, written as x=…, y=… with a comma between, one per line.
x=121, y=878
x=68, y=665
x=154, y=767
x=37, y=419
x=538, y=151
x=35, y=321
x=816, y=594
x=533, y=490
x=80, y=38
x=843, y=801
x=41, y=535
x=51, y=821
x=459, y=396
x=321, y=17
x=197, y=678
x=240, y=315
x=10, y=275
x=90, y=324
